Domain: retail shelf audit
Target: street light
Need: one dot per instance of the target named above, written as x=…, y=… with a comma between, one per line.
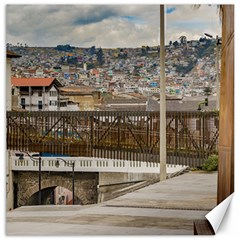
x=72, y=164
x=205, y=102
x=39, y=159
x=218, y=42
x=208, y=35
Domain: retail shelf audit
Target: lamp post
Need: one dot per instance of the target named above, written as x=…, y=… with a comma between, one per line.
x=218, y=42
x=205, y=102
x=39, y=159
x=72, y=164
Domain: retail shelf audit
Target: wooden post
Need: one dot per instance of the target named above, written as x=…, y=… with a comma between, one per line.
x=226, y=127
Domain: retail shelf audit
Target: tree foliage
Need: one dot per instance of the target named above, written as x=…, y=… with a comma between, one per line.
x=211, y=163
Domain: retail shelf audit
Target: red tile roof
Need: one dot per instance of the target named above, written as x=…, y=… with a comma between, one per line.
x=32, y=82
x=32, y=71
x=95, y=71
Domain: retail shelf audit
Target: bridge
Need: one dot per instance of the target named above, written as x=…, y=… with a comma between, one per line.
x=108, y=148
x=191, y=136
x=87, y=164
x=94, y=177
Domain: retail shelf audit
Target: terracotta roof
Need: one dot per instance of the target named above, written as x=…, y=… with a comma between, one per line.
x=94, y=71
x=31, y=70
x=32, y=82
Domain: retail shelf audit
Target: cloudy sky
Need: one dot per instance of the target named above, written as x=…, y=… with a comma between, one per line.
x=106, y=25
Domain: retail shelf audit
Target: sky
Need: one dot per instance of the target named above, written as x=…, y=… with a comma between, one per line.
x=107, y=25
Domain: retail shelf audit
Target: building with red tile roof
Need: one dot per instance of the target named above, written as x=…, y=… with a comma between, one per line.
x=35, y=82
x=36, y=94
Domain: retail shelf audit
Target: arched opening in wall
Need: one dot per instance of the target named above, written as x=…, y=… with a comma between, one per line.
x=47, y=197
x=64, y=196
x=55, y=195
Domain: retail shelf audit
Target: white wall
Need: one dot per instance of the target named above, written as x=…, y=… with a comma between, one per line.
x=46, y=100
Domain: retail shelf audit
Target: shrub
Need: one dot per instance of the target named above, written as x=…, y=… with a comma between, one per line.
x=211, y=164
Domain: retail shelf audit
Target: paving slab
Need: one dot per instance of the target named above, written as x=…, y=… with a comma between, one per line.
x=164, y=208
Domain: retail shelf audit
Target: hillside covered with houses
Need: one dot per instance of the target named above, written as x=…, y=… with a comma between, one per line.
x=92, y=77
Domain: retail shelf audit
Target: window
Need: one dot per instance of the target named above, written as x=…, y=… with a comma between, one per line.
x=23, y=103
x=40, y=105
x=40, y=93
x=53, y=103
x=53, y=93
x=63, y=104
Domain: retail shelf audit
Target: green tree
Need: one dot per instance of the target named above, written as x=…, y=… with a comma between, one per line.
x=211, y=164
x=175, y=44
x=183, y=40
x=207, y=91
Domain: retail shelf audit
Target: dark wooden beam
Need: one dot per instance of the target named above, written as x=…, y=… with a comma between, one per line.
x=203, y=227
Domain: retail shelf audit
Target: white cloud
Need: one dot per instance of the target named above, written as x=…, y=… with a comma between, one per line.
x=104, y=25
x=192, y=23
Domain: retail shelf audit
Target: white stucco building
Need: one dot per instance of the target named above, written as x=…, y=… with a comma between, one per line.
x=41, y=94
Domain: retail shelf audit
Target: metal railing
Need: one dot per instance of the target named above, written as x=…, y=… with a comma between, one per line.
x=191, y=136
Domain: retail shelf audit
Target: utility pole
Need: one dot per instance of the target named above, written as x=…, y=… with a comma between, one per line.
x=163, y=152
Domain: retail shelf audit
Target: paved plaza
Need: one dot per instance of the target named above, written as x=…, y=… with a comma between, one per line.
x=164, y=208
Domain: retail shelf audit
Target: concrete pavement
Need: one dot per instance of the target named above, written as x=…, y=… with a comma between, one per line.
x=164, y=208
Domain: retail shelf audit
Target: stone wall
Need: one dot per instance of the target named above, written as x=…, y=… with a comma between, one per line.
x=27, y=185
x=89, y=187
x=112, y=185
x=108, y=178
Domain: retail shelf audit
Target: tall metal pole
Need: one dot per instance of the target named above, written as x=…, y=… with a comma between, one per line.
x=39, y=181
x=163, y=170
x=217, y=76
x=73, y=193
